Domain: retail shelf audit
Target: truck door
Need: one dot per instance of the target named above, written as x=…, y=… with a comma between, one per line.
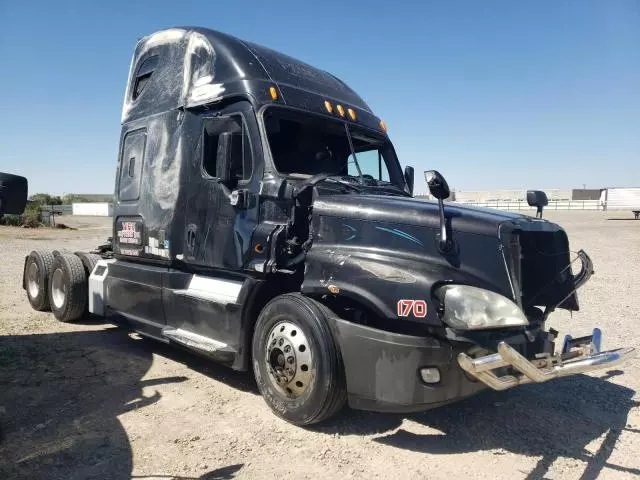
x=202, y=298
x=215, y=232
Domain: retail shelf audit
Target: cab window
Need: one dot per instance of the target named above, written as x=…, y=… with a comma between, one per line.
x=372, y=164
x=304, y=145
x=241, y=158
x=143, y=75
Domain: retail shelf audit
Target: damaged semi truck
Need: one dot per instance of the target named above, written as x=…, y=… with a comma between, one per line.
x=262, y=219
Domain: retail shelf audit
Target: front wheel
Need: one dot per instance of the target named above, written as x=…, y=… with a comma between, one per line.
x=297, y=364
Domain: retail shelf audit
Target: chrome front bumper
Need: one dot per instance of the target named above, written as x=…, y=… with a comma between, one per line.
x=539, y=370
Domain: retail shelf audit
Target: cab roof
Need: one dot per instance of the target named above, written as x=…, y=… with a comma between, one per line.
x=186, y=67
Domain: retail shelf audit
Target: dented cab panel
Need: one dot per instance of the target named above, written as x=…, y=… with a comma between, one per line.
x=149, y=174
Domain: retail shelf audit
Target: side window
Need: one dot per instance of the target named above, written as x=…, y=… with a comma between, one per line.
x=371, y=163
x=143, y=74
x=241, y=158
x=210, y=149
x=131, y=161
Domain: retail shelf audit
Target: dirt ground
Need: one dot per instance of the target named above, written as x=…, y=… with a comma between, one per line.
x=90, y=400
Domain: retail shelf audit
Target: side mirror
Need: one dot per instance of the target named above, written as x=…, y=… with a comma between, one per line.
x=13, y=194
x=537, y=198
x=438, y=186
x=409, y=176
x=223, y=156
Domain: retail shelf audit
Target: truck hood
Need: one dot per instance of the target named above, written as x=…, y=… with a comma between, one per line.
x=411, y=211
x=368, y=246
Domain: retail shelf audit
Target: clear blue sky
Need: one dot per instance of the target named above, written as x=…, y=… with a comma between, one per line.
x=494, y=94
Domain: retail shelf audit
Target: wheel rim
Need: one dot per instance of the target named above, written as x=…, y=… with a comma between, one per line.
x=289, y=359
x=58, y=288
x=32, y=280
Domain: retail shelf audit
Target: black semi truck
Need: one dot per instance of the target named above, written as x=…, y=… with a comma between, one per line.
x=262, y=219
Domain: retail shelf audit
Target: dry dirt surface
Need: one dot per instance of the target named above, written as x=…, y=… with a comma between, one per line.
x=90, y=400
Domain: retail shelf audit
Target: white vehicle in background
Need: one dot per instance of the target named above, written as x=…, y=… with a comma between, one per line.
x=621, y=199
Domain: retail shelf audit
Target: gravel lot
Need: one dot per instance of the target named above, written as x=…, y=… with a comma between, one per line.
x=91, y=400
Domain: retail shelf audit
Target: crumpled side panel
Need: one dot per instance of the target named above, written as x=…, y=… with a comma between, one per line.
x=184, y=76
x=164, y=90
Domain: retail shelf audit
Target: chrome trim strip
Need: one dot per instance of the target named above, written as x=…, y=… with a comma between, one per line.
x=212, y=289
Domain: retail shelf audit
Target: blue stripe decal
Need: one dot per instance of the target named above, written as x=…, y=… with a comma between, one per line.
x=352, y=232
x=401, y=234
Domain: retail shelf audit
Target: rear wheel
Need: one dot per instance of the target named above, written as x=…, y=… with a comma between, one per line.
x=296, y=361
x=68, y=288
x=37, y=272
x=89, y=260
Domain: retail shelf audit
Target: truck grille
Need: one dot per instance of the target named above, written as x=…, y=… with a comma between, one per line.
x=540, y=268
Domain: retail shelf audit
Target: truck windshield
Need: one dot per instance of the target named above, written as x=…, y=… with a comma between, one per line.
x=303, y=145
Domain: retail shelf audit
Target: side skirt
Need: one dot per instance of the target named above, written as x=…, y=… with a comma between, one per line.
x=200, y=312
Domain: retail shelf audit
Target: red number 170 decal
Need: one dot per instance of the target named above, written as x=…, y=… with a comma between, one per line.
x=407, y=307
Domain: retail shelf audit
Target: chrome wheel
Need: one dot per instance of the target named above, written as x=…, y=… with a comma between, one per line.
x=289, y=359
x=32, y=280
x=58, y=288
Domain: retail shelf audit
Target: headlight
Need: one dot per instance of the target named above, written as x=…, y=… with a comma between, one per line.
x=472, y=308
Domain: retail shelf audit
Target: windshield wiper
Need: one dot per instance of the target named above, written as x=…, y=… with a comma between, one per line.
x=353, y=152
x=307, y=187
x=345, y=183
x=391, y=189
x=390, y=186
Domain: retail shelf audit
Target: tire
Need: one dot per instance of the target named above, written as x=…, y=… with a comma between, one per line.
x=89, y=261
x=68, y=288
x=316, y=389
x=37, y=272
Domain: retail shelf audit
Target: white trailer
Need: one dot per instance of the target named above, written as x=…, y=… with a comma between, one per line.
x=98, y=209
x=621, y=199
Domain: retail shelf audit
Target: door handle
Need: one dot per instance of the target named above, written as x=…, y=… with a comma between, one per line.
x=239, y=198
x=191, y=237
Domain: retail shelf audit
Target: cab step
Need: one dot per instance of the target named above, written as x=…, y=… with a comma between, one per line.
x=198, y=342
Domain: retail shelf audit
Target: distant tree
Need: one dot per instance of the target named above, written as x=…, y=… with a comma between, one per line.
x=46, y=199
x=31, y=215
x=69, y=198
x=41, y=198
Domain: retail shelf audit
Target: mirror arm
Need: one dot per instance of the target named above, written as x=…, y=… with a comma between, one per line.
x=440, y=190
x=443, y=225
x=445, y=242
